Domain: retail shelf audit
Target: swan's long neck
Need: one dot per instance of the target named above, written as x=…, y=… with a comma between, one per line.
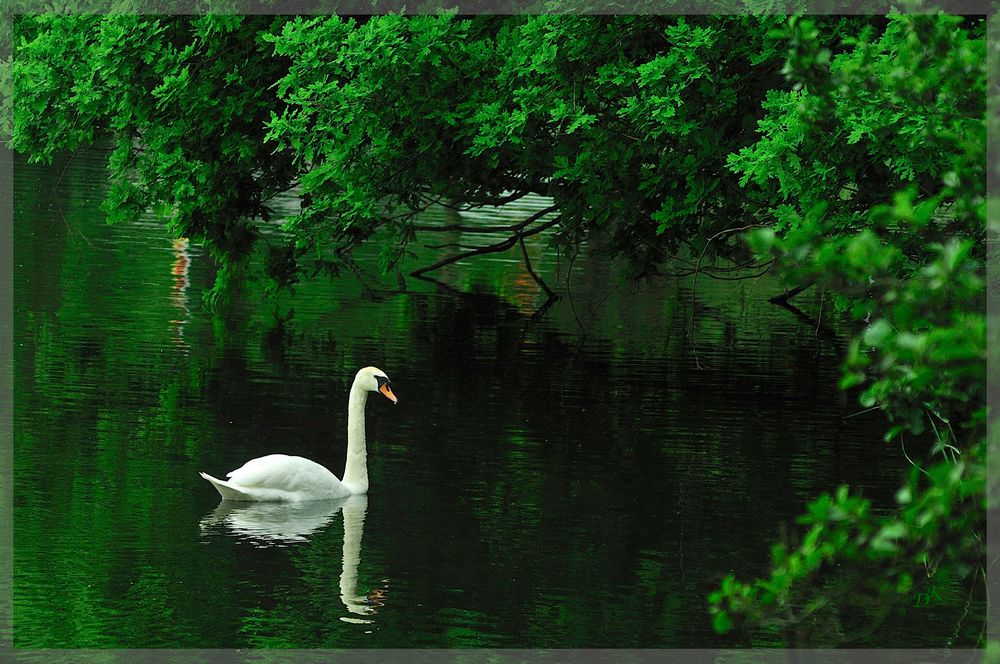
x=356, y=468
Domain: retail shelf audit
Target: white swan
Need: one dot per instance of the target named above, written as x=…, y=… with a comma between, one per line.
x=294, y=478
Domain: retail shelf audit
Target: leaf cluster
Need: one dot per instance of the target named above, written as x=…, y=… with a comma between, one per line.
x=850, y=555
x=903, y=110
x=183, y=100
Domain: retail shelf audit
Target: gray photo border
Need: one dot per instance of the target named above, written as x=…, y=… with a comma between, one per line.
x=473, y=7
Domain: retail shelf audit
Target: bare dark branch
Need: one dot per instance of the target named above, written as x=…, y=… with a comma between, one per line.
x=789, y=294
x=493, y=248
x=538, y=279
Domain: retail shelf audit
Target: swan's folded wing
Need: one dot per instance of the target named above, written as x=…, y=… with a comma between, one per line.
x=280, y=471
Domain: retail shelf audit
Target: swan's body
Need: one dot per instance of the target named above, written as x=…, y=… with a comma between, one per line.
x=279, y=477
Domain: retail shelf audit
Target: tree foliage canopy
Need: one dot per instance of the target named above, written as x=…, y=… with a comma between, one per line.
x=625, y=122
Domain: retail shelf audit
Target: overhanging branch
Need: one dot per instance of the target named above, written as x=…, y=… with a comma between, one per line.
x=494, y=248
x=782, y=300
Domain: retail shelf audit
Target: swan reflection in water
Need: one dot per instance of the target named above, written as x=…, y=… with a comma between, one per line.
x=288, y=523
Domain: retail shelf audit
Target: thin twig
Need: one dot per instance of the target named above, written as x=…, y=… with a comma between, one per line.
x=739, y=278
x=946, y=423
x=861, y=412
x=66, y=167
x=59, y=207
x=945, y=446
x=569, y=290
x=819, y=318
x=912, y=463
x=760, y=276
x=538, y=279
x=986, y=587
x=593, y=312
x=68, y=227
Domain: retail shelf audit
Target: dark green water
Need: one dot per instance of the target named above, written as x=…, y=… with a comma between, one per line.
x=582, y=480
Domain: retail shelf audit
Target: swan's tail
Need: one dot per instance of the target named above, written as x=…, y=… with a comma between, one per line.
x=225, y=490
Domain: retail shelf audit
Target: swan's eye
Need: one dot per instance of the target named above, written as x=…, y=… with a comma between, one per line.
x=382, y=380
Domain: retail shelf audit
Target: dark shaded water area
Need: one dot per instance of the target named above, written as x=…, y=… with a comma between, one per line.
x=581, y=479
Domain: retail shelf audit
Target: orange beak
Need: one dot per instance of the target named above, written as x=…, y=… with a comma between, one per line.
x=388, y=393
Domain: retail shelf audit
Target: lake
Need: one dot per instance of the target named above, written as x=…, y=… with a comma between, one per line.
x=582, y=478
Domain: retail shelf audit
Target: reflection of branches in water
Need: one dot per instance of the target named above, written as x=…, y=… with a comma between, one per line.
x=535, y=317
x=697, y=269
x=278, y=337
x=509, y=228
x=440, y=284
x=816, y=324
x=362, y=277
x=569, y=287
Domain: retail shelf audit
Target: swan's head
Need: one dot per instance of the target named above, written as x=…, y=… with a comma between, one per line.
x=375, y=380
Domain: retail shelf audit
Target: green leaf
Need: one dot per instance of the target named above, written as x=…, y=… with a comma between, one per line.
x=722, y=623
x=878, y=332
